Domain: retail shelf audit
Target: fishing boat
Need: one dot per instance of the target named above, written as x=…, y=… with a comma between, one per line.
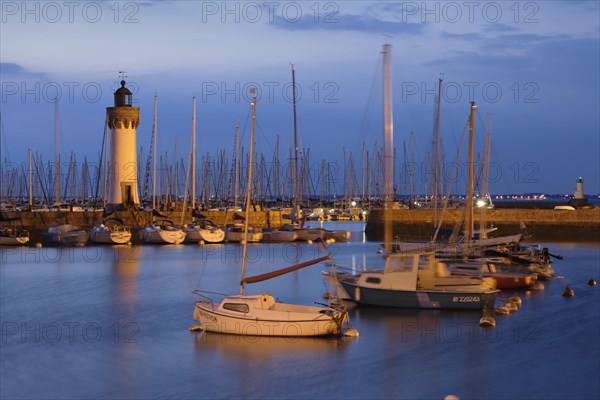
x=261, y=314
x=13, y=237
x=64, y=235
x=418, y=280
x=112, y=231
x=162, y=232
x=204, y=231
x=504, y=279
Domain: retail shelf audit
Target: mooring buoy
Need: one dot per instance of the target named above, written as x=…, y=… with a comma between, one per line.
x=568, y=292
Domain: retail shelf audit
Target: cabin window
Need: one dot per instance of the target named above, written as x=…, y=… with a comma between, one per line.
x=373, y=280
x=242, y=308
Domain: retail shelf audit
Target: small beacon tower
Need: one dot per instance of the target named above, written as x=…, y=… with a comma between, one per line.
x=123, y=120
x=579, y=200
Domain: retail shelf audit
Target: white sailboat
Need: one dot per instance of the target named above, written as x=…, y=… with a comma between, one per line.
x=261, y=314
x=159, y=232
x=305, y=233
x=202, y=230
x=112, y=231
x=13, y=237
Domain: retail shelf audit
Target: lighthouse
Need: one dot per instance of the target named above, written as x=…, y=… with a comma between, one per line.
x=122, y=120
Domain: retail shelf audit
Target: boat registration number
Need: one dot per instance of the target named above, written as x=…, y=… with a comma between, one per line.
x=466, y=299
x=208, y=316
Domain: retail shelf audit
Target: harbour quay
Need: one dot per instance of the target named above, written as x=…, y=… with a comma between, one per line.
x=540, y=224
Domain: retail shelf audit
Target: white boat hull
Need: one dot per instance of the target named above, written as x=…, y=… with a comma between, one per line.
x=160, y=236
x=211, y=235
x=277, y=319
x=100, y=235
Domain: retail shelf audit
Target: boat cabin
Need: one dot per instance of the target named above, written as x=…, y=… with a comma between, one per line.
x=246, y=304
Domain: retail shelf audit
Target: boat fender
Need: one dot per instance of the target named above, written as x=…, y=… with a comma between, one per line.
x=502, y=310
x=351, y=332
x=515, y=299
x=195, y=328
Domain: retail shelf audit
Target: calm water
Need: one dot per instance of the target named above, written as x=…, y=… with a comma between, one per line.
x=102, y=322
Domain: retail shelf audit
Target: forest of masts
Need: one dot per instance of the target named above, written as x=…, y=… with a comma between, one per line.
x=219, y=179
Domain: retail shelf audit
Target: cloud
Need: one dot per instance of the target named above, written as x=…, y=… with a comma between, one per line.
x=347, y=22
x=13, y=69
x=463, y=36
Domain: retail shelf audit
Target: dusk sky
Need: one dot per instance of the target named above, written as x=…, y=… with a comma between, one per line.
x=532, y=65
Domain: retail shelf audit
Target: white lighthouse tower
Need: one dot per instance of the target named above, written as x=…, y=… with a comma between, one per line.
x=123, y=120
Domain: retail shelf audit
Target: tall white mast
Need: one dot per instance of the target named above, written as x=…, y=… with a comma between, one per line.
x=388, y=144
x=296, y=180
x=388, y=126
x=193, y=149
x=248, y=192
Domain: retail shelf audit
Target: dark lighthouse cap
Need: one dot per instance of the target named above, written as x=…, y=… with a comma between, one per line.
x=122, y=96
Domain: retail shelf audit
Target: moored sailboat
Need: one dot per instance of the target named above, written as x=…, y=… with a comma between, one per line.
x=13, y=237
x=159, y=232
x=261, y=314
x=112, y=231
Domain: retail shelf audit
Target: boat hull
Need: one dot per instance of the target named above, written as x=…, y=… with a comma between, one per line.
x=159, y=236
x=216, y=235
x=13, y=240
x=98, y=235
x=65, y=239
x=316, y=324
x=234, y=236
x=279, y=236
x=420, y=298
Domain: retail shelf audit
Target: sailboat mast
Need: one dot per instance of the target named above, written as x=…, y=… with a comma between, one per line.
x=56, y=153
x=388, y=125
x=486, y=171
x=436, y=156
x=469, y=199
x=30, y=179
x=236, y=167
x=248, y=194
x=388, y=143
x=296, y=182
x=194, y=153
x=154, y=127
x=105, y=167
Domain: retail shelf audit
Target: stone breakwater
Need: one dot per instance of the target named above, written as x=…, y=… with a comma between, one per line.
x=37, y=222
x=579, y=225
